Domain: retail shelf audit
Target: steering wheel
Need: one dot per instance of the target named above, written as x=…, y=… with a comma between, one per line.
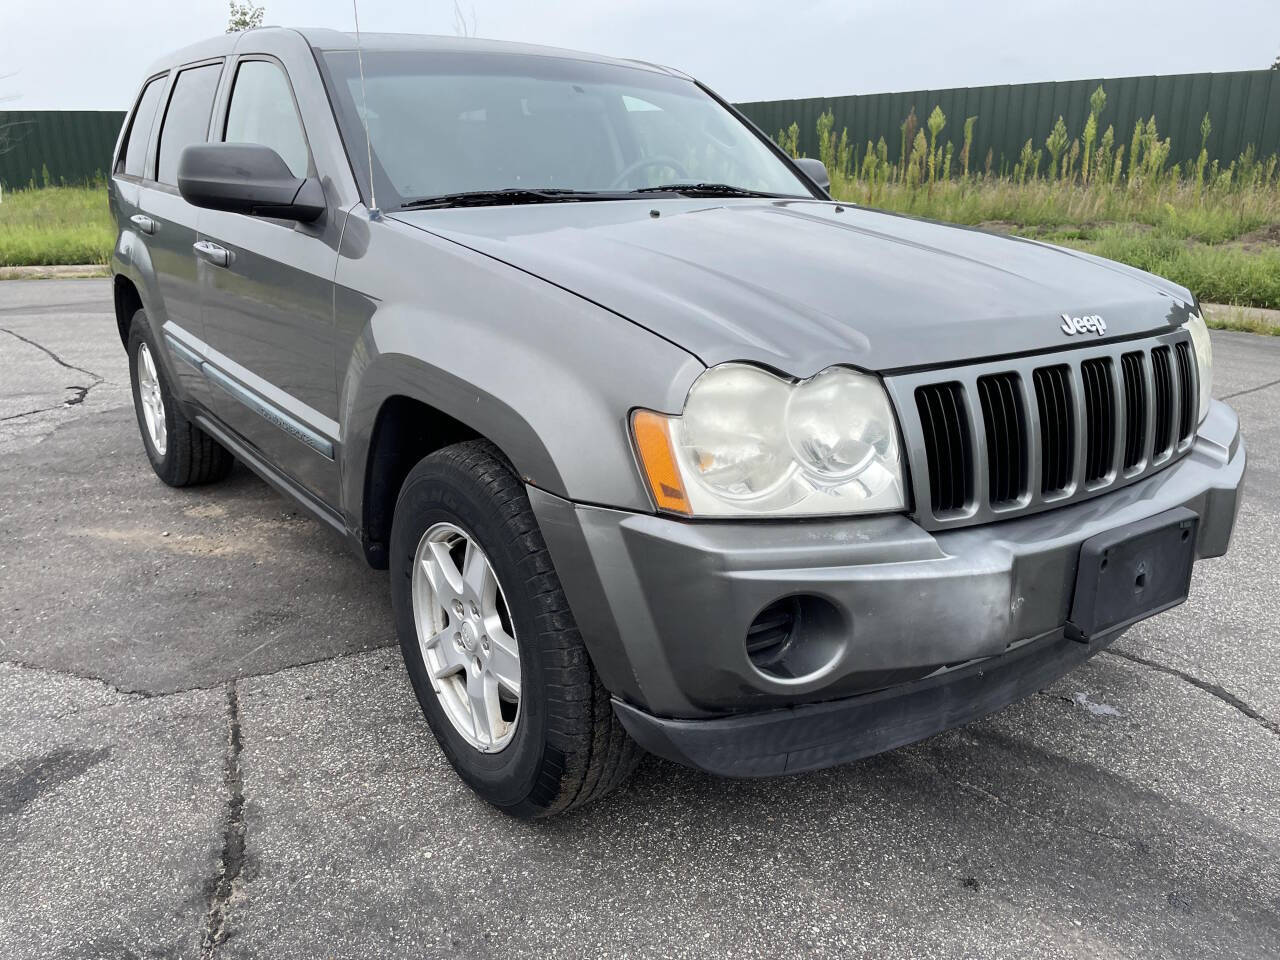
x=671, y=163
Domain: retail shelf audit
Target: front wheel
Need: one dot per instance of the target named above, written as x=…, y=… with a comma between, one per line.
x=492, y=649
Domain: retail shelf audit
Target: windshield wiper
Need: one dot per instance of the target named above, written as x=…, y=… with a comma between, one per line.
x=509, y=195
x=523, y=195
x=705, y=190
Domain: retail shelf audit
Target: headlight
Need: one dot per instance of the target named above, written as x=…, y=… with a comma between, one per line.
x=752, y=444
x=1204, y=359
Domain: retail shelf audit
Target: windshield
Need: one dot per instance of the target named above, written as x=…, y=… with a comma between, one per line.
x=449, y=123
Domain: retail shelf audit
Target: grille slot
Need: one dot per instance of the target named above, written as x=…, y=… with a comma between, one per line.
x=945, y=426
x=1135, y=409
x=1099, y=418
x=1162, y=381
x=1186, y=402
x=1005, y=423
x=1057, y=428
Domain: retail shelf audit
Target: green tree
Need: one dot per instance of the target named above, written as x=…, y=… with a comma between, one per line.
x=827, y=141
x=1135, y=149
x=244, y=16
x=908, y=130
x=789, y=140
x=937, y=120
x=1102, y=159
x=968, y=144
x=1055, y=144
x=1203, y=159
x=1097, y=103
x=916, y=164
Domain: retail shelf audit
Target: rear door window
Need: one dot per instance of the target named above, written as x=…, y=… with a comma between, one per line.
x=262, y=111
x=186, y=121
x=134, y=156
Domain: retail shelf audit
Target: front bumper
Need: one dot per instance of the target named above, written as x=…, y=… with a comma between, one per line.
x=664, y=606
x=810, y=736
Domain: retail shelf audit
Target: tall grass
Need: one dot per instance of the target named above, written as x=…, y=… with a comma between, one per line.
x=54, y=225
x=1096, y=191
x=1102, y=162
x=1174, y=206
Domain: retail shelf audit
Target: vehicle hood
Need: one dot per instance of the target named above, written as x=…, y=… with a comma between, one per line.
x=799, y=285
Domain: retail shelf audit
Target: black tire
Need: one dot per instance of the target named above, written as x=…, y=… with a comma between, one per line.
x=568, y=747
x=191, y=456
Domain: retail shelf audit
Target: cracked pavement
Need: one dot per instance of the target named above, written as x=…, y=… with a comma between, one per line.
x=208, y=748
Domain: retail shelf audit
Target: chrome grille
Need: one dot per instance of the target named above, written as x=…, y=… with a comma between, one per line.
x=997, y=439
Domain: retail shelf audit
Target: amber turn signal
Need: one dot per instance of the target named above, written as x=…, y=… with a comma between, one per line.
x=653, y=442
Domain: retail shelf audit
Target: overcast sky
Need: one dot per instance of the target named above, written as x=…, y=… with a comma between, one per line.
x=90, y=54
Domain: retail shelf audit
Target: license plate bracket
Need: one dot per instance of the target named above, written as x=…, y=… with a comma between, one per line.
x=1133, y=572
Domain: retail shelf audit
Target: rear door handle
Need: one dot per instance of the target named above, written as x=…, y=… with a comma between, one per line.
x=145, y=224
x=206, y=250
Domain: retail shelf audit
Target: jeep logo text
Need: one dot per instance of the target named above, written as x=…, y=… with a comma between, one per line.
x=1088, y=324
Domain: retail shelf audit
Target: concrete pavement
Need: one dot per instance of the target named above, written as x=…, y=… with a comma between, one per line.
x=208, y=747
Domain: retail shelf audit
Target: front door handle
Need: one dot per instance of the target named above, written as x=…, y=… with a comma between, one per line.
x=143, y=223
x=206, y=250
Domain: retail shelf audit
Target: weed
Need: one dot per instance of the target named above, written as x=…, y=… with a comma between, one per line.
x=53, y=225
x=1120, y=201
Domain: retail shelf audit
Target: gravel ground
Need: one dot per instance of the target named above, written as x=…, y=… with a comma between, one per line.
x=208, y=747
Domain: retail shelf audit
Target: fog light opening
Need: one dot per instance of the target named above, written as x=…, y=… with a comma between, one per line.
x=773, y=632
x=795, y=637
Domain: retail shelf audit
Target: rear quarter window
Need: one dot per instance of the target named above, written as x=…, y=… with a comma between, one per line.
x=133, y=157
x=186, y=120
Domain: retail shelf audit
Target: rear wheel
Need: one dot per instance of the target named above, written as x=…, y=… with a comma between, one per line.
x=181, y=454
x=490, y=644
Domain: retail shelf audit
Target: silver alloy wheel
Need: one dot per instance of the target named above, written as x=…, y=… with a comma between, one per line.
x=152, y=401
x=464, y=631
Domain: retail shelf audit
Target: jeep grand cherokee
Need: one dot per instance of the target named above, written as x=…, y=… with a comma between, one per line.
x=663, y=447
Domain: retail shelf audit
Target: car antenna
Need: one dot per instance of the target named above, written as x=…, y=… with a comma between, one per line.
x=374, y=212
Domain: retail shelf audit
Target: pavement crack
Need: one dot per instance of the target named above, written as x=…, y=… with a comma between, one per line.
x=53, y=356
x=1213, y=689
x=73, y=675
x=1241, y=393
x=152, y=694
x=29, y=413
x=1048, y=695
x=225, y=884
x=80, y=394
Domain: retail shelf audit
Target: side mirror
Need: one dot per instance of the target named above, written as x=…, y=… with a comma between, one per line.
x=247, y=178
x=816, y=171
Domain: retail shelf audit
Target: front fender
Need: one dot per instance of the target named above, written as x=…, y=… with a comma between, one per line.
x=547, y=376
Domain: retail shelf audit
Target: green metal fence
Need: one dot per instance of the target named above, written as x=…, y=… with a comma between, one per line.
x=56, y=146
x=72, y=146
x=1244, y=109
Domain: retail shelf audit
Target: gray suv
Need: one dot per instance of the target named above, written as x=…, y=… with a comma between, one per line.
x=662, y=447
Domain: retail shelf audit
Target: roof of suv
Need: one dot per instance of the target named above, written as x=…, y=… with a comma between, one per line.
x=324, y=39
